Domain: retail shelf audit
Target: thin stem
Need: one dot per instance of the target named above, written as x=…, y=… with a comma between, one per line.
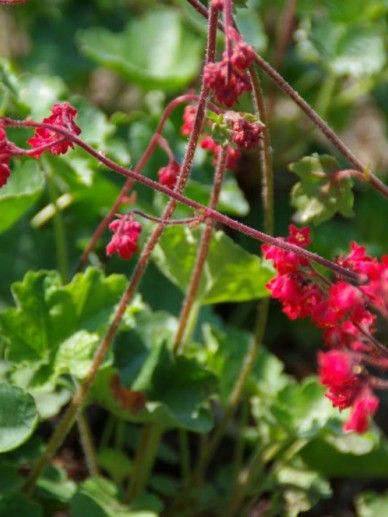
x=267, y=187
x=185, y=221
x=203, y=249
x=80, y=396
x=59, y=226
x=87, y=444
x=144, y=459
x=332, y=137
x=207, y=212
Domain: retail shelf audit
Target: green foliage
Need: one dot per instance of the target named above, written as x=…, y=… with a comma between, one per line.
x=18, y=417
x=154, y=51
x=20, y=193
x=99, y=497
x=371, y=504
x=19, y=504
x=319, y=195
x=284, y=430
x=175, y=388
x=240, y=277
x=54, y=329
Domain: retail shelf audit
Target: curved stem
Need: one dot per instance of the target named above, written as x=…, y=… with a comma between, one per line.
x=202, y=252
x=206, y=211
x=333, y=138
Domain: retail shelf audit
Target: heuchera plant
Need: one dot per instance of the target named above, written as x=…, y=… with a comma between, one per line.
x=343, y=296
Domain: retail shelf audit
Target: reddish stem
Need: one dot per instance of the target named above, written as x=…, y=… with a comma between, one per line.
x=177, y=196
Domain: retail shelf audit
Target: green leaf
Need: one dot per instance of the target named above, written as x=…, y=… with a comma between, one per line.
x=54, y=484
x=18, y=417
x=224, y=353
x=154, y=51
x=355, y=50
x=99, y=497
x=301, y=488
x=370, y=504
x=232, y=200
x=319, y=196
x=360, y=458
x=11, y=480
x=22, y=190
x=9, y=89
x=303, y=410
x=96, y=129
x=176, y=388
x=19, y=504
x=230, y=273
x=40, y=92
x=55, y=328
x=115, y=463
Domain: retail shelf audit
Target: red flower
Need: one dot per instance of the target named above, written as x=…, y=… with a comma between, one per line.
x=287, y=261
x=229, y=77
x=226, y=81
x=188, y=120
x=218, y=4
x=233, y=155
x=62, y=115
x=363, y=407
x=124, y=241
x=246, y=134
x=6, y=153
x=337, y=372
x=169, y=174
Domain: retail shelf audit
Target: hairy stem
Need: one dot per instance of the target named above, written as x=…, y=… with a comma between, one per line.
x=205, y=211
x=202, y=252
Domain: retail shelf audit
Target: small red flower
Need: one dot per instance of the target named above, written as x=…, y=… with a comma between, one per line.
x=246, y=134
x=229, y=78
x=287, y=261
x=189, y=114
x=124, y=241
x=62, y=115
x=6, y=153
x=169, y=174
x=364, y=407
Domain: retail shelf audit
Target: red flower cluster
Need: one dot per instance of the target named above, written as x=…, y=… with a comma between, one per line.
x=246, y=134
x=6, y=152
x=343, y=312
x=207, y=142
x=233, y=155
x=169, y=174
x=229, y=78
x=126, y=233
x=62, y=115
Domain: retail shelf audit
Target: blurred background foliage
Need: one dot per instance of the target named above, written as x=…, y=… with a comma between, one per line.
x=119, y=62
